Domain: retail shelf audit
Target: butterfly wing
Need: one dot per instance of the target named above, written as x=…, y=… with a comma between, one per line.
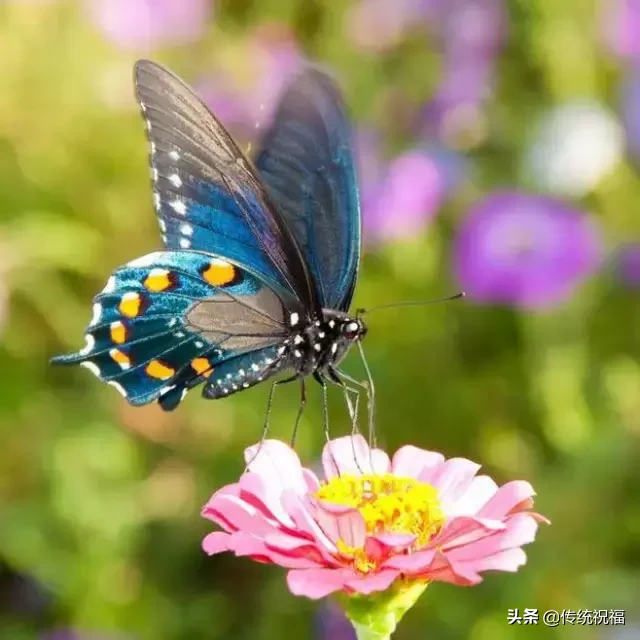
x=171, y=320
x=306, y=160
x=207, y=195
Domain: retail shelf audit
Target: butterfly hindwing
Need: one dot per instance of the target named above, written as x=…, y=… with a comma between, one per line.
x=307, y=162
x=169, y=320
x=208, y=196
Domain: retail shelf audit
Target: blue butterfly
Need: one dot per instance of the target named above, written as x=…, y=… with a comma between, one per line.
x=260, y=259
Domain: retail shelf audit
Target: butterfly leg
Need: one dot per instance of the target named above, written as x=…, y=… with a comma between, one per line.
x=303, y=403
x=325, y=413
x=265, y=426
x=369, y=389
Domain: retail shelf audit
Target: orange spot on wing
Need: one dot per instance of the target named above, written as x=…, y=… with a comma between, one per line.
x=219, y=273
x=121, y=358
x=202, y=367
x=159, y=370
x=130, y=304
x=158, y=280
x=118, y=332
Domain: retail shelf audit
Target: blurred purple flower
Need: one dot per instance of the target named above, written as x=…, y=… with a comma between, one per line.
x=631, y=110
x=473, y=32
x=378, y=25
x=628, y=265
x=245, y=100
x=405, y=200
x=621, y=21
x=527, y=250
x=332, y=624
x=144, y=24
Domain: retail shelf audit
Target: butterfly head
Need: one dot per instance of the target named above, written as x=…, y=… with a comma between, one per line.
x=353, y=329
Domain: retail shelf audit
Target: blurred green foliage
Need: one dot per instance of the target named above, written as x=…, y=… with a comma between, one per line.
x=100, y=502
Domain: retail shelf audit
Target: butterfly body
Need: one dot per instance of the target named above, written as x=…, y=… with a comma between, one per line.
x=260, y=258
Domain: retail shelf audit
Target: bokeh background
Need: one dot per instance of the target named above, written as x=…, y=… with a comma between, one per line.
x=499, y=147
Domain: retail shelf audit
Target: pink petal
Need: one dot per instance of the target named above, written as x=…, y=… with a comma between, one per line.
x=395, y=540
x=506, y=498
x=444, y=570
x=409, y=461
x=349, y=526
x=306, y=524
x=313, y=484
x=332, y=507
x=216, y=542
x=278, y=465
x=317, y=583
x=453, y=478
x=243, y=544
x=240, y=515
x=464, y=530
x=479, y=492
x=378, y=581
x=267, y=496
x=351, y=455
x=507, y=560
x=412, y=563
x=521, y=529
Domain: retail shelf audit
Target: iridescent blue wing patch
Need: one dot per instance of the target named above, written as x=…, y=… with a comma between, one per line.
x=307, y=162
x=171, y=320
x=207, y=195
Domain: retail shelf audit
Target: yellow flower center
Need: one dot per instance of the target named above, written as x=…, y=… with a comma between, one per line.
x=388, y=504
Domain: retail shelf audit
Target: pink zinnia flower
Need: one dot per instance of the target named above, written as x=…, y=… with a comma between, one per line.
x=372, y=521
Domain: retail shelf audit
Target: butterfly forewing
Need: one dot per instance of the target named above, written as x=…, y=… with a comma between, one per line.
x=207, y=195
x=307, y=163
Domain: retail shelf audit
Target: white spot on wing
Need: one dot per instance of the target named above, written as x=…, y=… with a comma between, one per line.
x=298, y=339
x=154, y=174
x=119, y=387
x=179, y=207
x=175, y=180
x=110, y=286
x=144, y=261
x=317, y=347
x=163, y=225
x=97, y=313
x=90, y=343
x=157, y=201
x=294, y=318
x=199, y=344
x=92, y=366
x=255, y=367
x=174, y=155
x=186, y=229
x=152, y=146
x=184, y=243
x=321, y=334
x=334, y=347
x=297, y=353
x=331, y=324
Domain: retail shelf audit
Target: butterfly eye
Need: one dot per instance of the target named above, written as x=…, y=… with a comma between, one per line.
x=351, y=329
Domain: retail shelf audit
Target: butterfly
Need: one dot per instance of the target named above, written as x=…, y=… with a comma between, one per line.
x=260, y=258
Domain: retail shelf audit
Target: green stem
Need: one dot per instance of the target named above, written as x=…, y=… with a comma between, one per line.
x=376, y=617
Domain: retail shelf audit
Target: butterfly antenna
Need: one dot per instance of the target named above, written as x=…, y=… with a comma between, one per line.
x=413, y=303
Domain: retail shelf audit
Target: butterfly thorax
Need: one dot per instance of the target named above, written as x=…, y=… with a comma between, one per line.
x=318, y=344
